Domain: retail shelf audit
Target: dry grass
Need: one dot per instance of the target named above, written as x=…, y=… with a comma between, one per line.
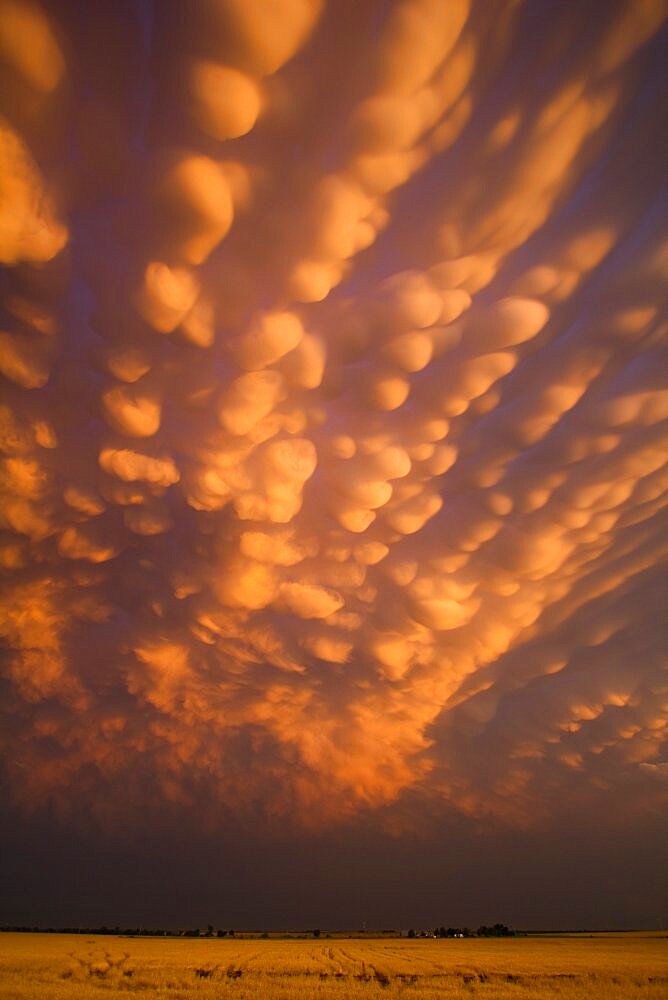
x=76, y=967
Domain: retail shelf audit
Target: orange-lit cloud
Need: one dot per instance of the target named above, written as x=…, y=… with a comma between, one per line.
x=333, y=430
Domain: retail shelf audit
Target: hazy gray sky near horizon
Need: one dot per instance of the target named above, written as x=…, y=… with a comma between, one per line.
x=584, y=873
x=333, y=437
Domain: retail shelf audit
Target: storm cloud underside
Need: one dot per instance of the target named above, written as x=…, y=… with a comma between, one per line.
x=333, y=413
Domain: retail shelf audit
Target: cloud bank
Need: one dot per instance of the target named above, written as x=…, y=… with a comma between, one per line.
x=332, y=425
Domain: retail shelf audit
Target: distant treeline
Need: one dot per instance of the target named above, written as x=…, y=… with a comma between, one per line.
x=496, y=930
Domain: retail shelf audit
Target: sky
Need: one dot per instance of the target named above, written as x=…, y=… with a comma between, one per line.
x=333, y=439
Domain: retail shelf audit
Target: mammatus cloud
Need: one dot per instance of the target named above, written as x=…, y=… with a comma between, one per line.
x=332, y=426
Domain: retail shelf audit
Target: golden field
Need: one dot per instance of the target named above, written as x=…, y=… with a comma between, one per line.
x=62, y=966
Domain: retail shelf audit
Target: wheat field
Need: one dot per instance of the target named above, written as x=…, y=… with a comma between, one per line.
x=68, y=967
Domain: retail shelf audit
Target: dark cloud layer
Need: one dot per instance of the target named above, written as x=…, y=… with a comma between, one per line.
x=589, y=874
x=333, y=429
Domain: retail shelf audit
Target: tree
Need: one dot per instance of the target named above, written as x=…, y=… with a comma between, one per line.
x=498, y=930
